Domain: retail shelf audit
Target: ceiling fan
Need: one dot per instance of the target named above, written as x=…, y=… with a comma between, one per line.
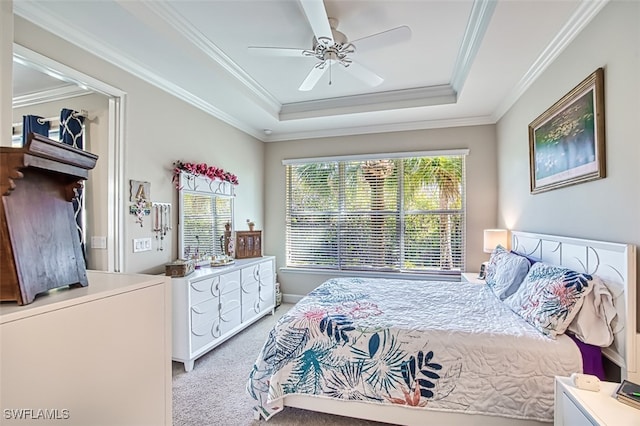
x=330, y=46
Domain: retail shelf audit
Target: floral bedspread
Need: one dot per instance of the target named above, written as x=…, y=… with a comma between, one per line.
x=429, y=345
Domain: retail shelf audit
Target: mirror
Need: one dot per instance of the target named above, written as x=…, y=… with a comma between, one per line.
x=39, y=81
x=206, y=207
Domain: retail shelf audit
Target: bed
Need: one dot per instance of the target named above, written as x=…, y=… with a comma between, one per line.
x=413, y=352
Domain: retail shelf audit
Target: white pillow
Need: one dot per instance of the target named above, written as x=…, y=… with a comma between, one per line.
x=592, y=325
x=550, y=297
x=505, y=272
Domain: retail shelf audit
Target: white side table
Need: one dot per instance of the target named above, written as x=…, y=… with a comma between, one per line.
x=577, y=407
x=471, y=277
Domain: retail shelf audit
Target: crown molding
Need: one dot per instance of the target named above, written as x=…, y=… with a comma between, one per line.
x=479, y=20
x=585, y=12
x=382, y=128
x=395, y=99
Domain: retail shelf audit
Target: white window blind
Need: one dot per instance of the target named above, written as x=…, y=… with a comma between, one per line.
x=204, y=220
x=378, y=214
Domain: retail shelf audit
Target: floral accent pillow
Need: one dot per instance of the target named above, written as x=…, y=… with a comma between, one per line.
x=550, y=297
x=505, y=272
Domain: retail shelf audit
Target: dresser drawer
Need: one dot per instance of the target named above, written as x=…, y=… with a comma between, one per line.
x=267, y=292
x=230, y=319
x=205, y=334
x=204, y=312
x=266, y=271
x=202, y=290
x=208, y=288
x=229, y=282
x=250, y=305
x=260, y=297
x=249, y=275
x=261, y=272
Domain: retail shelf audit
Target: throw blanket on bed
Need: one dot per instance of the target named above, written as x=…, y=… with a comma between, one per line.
x=435, y=345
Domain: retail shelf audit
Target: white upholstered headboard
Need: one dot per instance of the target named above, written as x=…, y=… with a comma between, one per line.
x=615, y=263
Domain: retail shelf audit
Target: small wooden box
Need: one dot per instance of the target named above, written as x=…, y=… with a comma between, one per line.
x=180, y=268
x=248, y=244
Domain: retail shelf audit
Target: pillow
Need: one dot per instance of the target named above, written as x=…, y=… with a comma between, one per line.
x=592, y=324
x=505, y=272
x=550, y=297
x=531, y=260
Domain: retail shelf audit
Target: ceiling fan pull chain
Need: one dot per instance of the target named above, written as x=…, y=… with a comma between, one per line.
x=329, y=73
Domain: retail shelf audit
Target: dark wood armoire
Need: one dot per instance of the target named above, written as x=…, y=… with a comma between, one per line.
x=41, y=248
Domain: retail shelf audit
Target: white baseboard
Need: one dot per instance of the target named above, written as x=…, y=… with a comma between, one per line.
x=291, y=298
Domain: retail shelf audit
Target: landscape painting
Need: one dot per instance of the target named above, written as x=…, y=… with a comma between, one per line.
x=566, y=143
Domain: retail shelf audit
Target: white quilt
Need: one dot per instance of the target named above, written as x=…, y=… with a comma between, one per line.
x=430, y=345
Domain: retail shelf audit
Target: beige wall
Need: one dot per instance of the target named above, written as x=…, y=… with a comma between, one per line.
x=481, y=184
x=606, y=209
x=160, y=129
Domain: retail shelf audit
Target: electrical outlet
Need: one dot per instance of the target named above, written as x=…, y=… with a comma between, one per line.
x=141, y=244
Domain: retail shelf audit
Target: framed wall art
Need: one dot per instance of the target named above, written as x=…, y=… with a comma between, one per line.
x=567, y=142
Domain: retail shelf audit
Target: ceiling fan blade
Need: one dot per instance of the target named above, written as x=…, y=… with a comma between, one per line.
x=312, y=78
x=317, y=17
x=277, y=51
x=364, y=74
x=383, y=39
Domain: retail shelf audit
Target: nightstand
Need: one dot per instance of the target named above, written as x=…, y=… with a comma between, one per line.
x=577, y=407
x=471, y=277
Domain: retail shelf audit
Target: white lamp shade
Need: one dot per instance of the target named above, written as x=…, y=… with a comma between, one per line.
x=493, y=237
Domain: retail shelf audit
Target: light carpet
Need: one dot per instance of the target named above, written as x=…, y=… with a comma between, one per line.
x=213, y=393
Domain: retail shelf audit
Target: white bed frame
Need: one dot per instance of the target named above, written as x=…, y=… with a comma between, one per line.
x=616, y=265
x=614, y=262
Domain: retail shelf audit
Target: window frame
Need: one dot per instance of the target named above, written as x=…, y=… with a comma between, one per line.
x=338, y=268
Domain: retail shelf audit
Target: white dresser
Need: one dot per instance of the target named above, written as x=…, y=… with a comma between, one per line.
x=214, y=303
x=96, y=355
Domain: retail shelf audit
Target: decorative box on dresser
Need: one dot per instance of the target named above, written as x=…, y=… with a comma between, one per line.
x=579, y=407
x=94, y=355
x=214, y=303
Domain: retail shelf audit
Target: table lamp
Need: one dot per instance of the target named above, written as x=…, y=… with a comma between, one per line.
x=492, y=237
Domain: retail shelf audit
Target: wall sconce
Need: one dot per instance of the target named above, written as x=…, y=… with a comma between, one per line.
x=493, y=237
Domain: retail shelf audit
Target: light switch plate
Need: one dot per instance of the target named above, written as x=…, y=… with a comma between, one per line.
x=98, y=242
x=141, y=244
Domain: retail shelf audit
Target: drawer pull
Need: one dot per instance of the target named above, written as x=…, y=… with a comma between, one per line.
x=215, y=331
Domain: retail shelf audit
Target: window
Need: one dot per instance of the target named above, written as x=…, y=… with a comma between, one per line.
x=382, y=213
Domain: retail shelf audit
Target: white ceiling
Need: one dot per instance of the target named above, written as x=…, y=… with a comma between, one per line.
x=466, y=62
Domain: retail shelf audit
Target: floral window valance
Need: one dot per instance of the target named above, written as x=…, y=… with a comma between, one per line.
x=202, y=169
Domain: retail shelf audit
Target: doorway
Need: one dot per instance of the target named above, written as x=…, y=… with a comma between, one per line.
x=111, y=187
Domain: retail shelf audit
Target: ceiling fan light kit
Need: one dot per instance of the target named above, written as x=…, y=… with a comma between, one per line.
x=330, y=46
